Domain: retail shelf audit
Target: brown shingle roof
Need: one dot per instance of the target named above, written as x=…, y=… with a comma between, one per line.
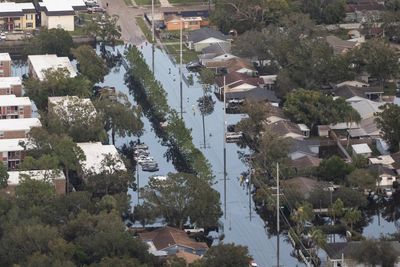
x=283, y=128
x=234, y=79
x=163, y=238
x=188, y=257
x=305, y=162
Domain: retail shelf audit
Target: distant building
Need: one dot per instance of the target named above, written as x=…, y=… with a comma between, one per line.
x=56, y=177
x=60, y=14
x=12, y=107
x=170, y=241
x=12, y=152
x=11, y=86
x=12, y=128
x=17, y=16
x=96, y=153
x=38, y=64
x=5, y=64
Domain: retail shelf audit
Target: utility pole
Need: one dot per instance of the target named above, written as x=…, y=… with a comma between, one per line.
x=180, y=67
x=152, y=34
x=224, y=144
x=137, y=183
x=277, y=215
x=250, y=172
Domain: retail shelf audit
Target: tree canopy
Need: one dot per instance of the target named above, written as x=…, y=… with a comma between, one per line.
x=388, y=121
x=225, y=255
x=315, y=108
x=334, y=169
x=50, y=41
x=182, y=196
x=90, y=64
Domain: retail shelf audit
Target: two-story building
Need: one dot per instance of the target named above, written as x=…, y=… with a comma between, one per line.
x=12, y=107
x=11, y=86
x=17, y=16
x=38, y=64
x=12, y=128
x=60, y=14
x=12, y=152
x=56, y=177
x=5, y=64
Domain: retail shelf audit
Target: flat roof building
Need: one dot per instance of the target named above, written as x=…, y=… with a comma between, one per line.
x=12, y=152
x=17, y=16
x=11, y=86
x=58, y=14
x=12, y=128
x=39, y=63
x=56, y=177
x=96, y=153
x=5, y=64
x=12, y=107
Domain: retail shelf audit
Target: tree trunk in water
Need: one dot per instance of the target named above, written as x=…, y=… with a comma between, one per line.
x=113, y=136
x=66, y=181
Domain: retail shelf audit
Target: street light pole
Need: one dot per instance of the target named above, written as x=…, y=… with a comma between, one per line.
x=277, y=215
x=180, y=68
x=152, y=34
x=224, y=147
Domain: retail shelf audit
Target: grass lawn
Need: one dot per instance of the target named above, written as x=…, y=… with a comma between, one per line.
x=187, y=55
x=186, y=1
x=128, y=2
x=145, y=2
x=145, y=29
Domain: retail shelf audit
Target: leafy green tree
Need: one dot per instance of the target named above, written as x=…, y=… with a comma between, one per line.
x=182, y=196
x=334, y=169
x=325, y=12
x=105, y=28
x=319, y=239
x=390, y=22
x=252, y=44
x=44, y=162
x=90, y=64
x=393, y=5
x=50, y=41
x=378, y=59
x=3, y=176
x=314, y=108
x=225, y=255
x=76, y=117
x=119, y=116
x=375, y=252
x=362, y=179
x=145, y=214
x=352, y=216
x=388, y=121
x=302, y=214
x=337, y=209
x=251, y=14
x=56, y=83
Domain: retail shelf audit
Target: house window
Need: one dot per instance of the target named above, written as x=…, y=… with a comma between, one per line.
x=17, y=25
x=29, y=25
x=1, y=135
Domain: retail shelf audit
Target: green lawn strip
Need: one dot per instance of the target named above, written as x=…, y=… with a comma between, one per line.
x=145, y=29
x=145, y=2
x=128, y=2
x=187, y=55
x=186, y=1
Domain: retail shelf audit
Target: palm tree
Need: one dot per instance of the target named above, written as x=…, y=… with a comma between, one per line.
x=352, y=216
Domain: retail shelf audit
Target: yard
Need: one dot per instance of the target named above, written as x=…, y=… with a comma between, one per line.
x=174, y=50
x=145, y=29
x=186, y=1
x=140, y=2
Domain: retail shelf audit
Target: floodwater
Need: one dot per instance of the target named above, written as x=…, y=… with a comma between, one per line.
x=239, y=227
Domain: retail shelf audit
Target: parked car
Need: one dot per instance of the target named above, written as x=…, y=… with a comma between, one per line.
x=3, y=36
x=193, y=66
x=159, y=177
x=91, y=3
x=150, y=167
x=96, y=9
x=189, y=229
x=141, y=146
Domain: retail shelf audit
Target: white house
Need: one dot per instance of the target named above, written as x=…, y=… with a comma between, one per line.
x=204, y=37
x=60, y=14
x=38, y=64
x=96, y=154
x=362, y=150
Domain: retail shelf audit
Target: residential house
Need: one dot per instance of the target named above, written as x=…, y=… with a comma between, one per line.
x=96, y=153
x=300, y=148
x=175, y=23
x=5, y=64
x=285, y=129
x=224, y=66
x=349, y=91
x=17, y=16
x=340, y=46
x=203, y=14
x=12, y=107
x=305, y=185
x=342, y=254
x=199, y=39
x=323, y=130
x=305, y=163
x=170, y=241
x=60, y=14
x=12, y=128
x=360, y=10
x=242, y=86
x=361, y=150
x=56, y=177
x=38, y=64
x=214, y=53
x=12, y=152
x=11, y=86
x=386, y=175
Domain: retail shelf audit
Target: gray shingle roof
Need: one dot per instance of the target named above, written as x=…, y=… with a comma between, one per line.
x=205, y=33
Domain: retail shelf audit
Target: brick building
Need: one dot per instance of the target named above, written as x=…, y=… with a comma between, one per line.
x=12, y=128
x=12, y=152
x=38, y=64
x=11, y=86
x=5, y=65
x=12, y=107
